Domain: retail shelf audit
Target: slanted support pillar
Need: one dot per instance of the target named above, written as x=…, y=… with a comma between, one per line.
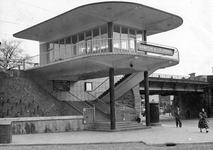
x=146, y=87
x=112, y=99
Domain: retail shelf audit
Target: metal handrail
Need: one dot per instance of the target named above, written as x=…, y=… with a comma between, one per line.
x=97, y=46
x=79, y=99
x=98, y=99
x=104, y=104
x=100, y=84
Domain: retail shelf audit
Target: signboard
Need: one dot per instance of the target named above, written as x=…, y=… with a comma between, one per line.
x=154, y=49
x=61, y=85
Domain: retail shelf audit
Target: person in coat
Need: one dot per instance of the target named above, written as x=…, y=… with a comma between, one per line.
x=203, y=122
x=177, y=118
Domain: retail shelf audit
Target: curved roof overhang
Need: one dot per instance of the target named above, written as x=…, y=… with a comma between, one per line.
x=97, y=66
x=92, y=15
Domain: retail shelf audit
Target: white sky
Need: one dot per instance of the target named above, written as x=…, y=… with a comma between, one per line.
x=194, y=39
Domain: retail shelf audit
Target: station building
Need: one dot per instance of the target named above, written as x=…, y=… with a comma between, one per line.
x=100, y=52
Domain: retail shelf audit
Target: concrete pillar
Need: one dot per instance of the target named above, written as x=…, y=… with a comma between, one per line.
x=111, y=78
x=112, y=99
x=144, y=36
x=137, y=99
x=146, y=87
x=110, y=36
x=209, y=102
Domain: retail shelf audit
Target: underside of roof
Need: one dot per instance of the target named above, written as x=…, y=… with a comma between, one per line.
x=92, y=15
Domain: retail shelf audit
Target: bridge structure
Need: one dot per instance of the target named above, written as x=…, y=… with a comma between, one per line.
x=164, y=84
x=190, y=92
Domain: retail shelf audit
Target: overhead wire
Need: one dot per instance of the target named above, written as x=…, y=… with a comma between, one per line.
x=37, y=7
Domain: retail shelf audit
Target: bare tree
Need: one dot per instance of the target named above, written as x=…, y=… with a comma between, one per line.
x=11, y=54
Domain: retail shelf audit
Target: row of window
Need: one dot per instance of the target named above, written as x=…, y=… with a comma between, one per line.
x=119, y=33
x=93, y=41
x=97, y=33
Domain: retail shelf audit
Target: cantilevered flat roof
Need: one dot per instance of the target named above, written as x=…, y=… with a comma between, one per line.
x=89, y=16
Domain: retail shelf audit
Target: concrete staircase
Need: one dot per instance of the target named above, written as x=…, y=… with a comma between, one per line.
x=100, y=105
x=79, y=105
x=120, y=126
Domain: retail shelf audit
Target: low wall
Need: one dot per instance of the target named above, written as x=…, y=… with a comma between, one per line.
x=29, y=125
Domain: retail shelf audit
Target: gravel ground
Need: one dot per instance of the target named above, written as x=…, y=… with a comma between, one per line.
x=121, y=146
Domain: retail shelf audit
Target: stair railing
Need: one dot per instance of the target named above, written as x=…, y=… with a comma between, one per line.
x=79, y=99
x=115, y=84
x=106, y=107
x=101, y=84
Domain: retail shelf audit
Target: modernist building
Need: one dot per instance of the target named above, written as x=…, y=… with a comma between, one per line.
x=84, y=49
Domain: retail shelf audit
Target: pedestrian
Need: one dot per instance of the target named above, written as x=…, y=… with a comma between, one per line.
x=188, y=114
x=203, y=122
x=177, y=118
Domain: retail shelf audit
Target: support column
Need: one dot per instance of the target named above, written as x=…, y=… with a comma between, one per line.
x=110, y=36
x=209, y=102
x=144, y=36
x=146, y=87
x=112, y=99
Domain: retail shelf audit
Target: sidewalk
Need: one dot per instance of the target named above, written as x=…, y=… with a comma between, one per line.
x=157, y=135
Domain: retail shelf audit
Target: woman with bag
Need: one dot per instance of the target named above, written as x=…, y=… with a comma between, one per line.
x=203, y=122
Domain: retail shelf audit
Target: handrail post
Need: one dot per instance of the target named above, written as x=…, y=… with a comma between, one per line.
x=124, y=114
x=94, y=119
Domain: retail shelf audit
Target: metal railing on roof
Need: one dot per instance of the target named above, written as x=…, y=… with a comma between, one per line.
x=168, y=76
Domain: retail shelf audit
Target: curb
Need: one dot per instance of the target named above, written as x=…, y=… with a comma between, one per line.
x=168, y=144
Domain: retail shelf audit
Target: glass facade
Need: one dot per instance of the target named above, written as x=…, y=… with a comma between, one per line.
x=93, y=41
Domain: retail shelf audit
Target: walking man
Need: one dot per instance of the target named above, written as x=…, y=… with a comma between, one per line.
x=177, y=118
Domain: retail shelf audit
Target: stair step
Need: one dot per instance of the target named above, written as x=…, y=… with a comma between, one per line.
x=120, y=126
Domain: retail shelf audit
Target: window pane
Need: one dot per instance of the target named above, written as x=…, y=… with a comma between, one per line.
x=132, y=38
x=95, y=32
x=51, y=46
x=62, y=49
x=139, y=36
x=124, y=38
x=81, y=44
x=96, y=40
x=131, y=31
x=88, y=34
x=116, y=29
x=116, y=36
x=103, y=30
x=68, y=47
x=51, y=52
x=56, y=49
x=104, y=36
x=62, y=43
x=74, y=41
x=56, y=45
x=68, y=41
x=81, y=37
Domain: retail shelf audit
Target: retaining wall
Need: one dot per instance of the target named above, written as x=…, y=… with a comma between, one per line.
x=29, y=125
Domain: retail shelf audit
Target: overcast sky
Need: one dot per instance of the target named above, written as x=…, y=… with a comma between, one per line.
x=194, y=39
